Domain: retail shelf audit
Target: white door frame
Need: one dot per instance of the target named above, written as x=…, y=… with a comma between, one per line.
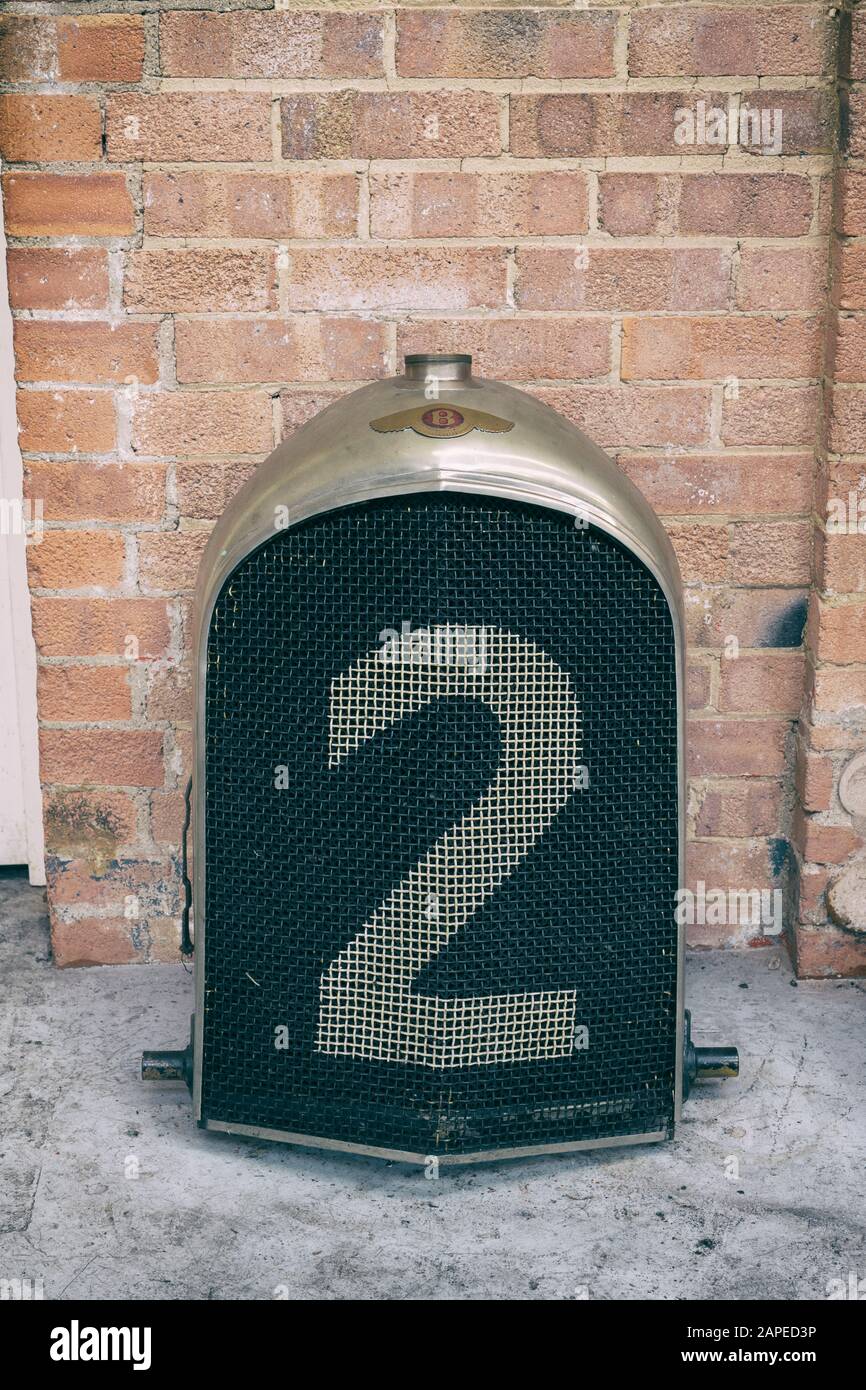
x=13, y=574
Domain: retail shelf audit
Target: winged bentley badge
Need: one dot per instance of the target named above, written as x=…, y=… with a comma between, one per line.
x=441, y=422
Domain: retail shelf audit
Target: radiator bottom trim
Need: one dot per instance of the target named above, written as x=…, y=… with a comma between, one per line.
x=451, y=1160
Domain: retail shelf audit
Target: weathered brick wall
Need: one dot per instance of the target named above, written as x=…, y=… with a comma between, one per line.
x=829, y=828
x=221, y=218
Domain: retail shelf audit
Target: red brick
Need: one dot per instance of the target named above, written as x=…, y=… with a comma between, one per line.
x=839, y=631
x=737, y=747
x=380, y=278
x=201, y=423
x=813, y=893
x=28, y=49
x=850, y=281
x=501, y=43
x=76, y=560
x=635, y=204
x=770, y=681
x=634, y=416
x=856, y=144
x=216, y=204
x=840, y=692
x=856, y=57
x=837, y=476
x=64, y=422
x=698, y=686
x=825, y=215
x=100, y=627
x=83, y=491
x=75, y=883
x=204, y=487
x=428, y=204
x=745, y=205
x=788, y=278
x=841, y=562
x=705, y=610
x=737, y=809
x=163, y=940
x=168, y=561
x=92, y=48
x=701, y=551
x=744, y=865
x=302, y=348
x=725, y=485
x=824, y=844
x=587, y=125
x=516, y=349
x=48, y=129
x=825, y=952
x=673, y=349
x=108, y=757
x=764, y=552
x=81, y=822
x=815, y=779
x=622, y=279
x=771, y=416
x=847, y=431
x=771, y=40
x=67, y=204
x=204, y=279
x=189, y=126
x=300, y=406
x=831, y=734
x=807, y=119
x=74, y=694
x=249, y=43
x=849, y=348
x=166, y=817
x=57, y=278
x=87, y=351
x=169, y=693
x=390, y=125
x=101, y=48
x=756, y=617
x=851, y=202
x=92, y=941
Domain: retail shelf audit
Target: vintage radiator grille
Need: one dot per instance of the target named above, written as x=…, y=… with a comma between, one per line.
x=423, y=930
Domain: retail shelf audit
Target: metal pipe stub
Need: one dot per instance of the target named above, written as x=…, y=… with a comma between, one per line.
x=164, y=1066
x=167, y=1066
x=699, y=1063
x=705, y=1063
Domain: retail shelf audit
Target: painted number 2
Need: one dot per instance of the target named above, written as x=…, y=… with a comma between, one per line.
x=368, y=1008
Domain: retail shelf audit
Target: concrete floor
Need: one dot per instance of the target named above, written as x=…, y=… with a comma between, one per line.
x=108, y=1190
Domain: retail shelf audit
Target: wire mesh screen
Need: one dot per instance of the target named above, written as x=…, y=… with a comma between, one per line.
x=441, y=832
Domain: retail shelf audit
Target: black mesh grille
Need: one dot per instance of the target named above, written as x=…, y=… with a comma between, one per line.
x=293, y=873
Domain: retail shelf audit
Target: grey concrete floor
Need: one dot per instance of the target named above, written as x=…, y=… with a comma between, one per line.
x=108, y=1190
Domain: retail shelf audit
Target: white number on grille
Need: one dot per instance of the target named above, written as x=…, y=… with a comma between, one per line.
x=367, y=1006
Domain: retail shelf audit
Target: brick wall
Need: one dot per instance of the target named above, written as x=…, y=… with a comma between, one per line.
x=829, y=828
x=221, y=218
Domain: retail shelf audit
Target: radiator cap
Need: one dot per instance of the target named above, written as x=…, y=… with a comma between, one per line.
x=444, y=366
